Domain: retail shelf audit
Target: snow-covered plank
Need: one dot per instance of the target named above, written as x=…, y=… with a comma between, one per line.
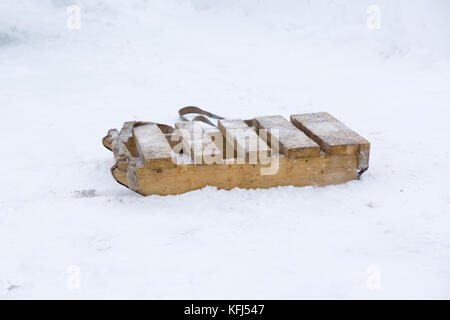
x=198, y=142
x=292, y=142
x=125, y=132
x=333, y=136
x=153, y=146
x=248, y=146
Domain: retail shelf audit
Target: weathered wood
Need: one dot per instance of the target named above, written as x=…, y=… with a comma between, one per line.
x=153, y=147
x=123, y=136
x=247, y=144
x=197, y=142
x=126, y=131
x=110, y=138
x=319, y=171
x=333, y=136
x=292, y=142
x=146, y=163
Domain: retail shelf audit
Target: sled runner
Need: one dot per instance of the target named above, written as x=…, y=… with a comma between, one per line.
x=312, y=149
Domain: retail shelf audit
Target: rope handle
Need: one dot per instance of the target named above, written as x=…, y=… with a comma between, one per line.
x=201, y=115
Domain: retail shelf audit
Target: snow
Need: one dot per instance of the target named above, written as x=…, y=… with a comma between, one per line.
x=68, y=230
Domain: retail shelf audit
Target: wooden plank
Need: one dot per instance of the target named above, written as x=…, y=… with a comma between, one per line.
x=153, y=147
x=292, y=142
x=125, y=132
x=333, y=136
x=318, y=171
x=197, y=142
x=247, y=144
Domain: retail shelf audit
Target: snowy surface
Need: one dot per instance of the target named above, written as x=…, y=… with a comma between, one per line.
x=385, y=236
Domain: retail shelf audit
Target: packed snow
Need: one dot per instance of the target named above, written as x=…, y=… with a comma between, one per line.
x=68, y=230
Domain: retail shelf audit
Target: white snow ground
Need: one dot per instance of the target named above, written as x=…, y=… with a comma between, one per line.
x=385, y=236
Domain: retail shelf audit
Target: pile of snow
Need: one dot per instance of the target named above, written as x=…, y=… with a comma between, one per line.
x=68, y=230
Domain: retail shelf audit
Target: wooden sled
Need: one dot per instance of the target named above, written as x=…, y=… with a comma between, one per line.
x=313, y=149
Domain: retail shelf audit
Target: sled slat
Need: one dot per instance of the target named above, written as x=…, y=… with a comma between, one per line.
x=292, y=142
x=198, y=143
x=247, y=144
x=333, y=136
x=153, y=146
x=125, y=132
